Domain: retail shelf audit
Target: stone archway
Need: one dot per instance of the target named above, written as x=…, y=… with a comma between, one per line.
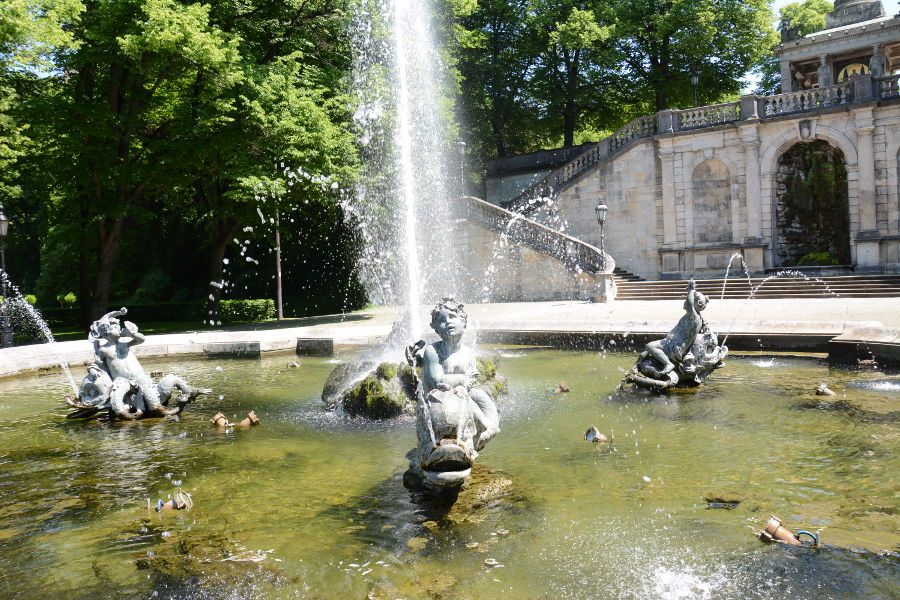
x=812, y=214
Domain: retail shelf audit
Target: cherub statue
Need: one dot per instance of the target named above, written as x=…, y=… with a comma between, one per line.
x=454, y=417
x=117, y=382
x=686, y=356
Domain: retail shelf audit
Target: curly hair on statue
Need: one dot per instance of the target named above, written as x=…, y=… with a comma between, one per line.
x=451, y=305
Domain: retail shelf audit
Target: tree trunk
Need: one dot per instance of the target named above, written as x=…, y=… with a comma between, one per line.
x=109, y=236
x=222, y=233
x=662, y=97
x=569, y=123
x=570, y=108
x=497, y=127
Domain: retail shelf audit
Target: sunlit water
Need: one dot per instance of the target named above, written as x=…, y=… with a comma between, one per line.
x=318, y=500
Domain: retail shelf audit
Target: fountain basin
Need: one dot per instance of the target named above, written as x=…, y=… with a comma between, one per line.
x=324, y=492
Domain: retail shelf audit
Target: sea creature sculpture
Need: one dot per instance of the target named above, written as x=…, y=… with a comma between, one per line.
x=454, y=417
x=116, y=381
x=686, y=356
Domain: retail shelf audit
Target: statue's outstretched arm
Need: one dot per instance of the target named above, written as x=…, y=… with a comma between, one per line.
x=136, y=336
x=691, y=297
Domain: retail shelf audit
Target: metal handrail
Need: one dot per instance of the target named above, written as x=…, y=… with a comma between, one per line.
x=575, y=254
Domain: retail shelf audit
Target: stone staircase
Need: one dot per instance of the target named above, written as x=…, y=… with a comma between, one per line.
x=575, y=254
x=621, y=276
x=700, y=117
x=844, y=286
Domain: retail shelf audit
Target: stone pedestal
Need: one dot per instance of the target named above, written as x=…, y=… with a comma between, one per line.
x=868, y=255
x=606, y=288
x=753, y=258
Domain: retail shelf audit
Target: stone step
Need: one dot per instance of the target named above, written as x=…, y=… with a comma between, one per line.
x=842, y=286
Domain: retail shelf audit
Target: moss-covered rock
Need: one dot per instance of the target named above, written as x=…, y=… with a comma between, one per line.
x=377, y=391
x=489, y=379
x=386, y=390
x=376, y=397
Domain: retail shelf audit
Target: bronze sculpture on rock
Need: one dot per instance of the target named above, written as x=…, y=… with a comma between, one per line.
x=117, y=383
x=686, y=356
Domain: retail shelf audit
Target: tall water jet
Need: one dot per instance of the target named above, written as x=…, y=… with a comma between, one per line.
x=402, y=205
x=407, y=178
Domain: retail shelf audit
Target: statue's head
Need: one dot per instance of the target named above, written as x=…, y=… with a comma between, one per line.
x=448, y=318
x=106, y=327
x=700, y=301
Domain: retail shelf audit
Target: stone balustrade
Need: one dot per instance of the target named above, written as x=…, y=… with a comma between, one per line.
x=708, y=116
x=887, y=87
x=641, y=127
x=805, y=100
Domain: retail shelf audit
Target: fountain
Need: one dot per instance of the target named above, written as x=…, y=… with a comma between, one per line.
x=16, y=304
x=686, y=356
x=559, y=520
x=117, y=383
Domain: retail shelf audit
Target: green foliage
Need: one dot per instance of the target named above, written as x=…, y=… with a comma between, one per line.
x=164, y=312
x=803, y=17
x=813, y=207
x=540, y=73
x=30, y=299
x=371, y=398
x=818, y=259
x=67, y=300
x=156, y=286
x=489, y=378
x=29, y=31
x=140, y=130
x=662, y=41
x=806, y=16
x=243, y=311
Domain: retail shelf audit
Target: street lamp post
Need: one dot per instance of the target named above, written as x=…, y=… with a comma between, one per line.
x=695, y=79
x=461, y=147
x=601, y=210
x=5, y=331
x=278, y=294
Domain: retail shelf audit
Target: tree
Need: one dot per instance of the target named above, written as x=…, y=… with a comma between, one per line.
x=573, y=71
x=802, y=18
x=286, y=113
x=662, y=41
x=498, y=56
x=30, y=32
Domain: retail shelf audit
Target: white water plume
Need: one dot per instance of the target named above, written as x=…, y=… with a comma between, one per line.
x=402, y=207
x=17, y=306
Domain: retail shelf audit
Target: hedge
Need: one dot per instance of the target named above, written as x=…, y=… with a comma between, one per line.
x=175, y=312
x=238, y=311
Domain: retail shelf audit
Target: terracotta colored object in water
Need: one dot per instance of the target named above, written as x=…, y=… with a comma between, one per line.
x=249, y=421
x=776, y=532
x=180, y=501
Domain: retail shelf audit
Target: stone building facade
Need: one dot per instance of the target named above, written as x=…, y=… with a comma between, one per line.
x=687, y=189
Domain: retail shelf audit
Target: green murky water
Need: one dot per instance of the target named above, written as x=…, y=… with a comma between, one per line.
x=319, y=498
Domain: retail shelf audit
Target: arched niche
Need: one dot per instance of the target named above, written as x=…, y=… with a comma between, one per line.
x=812, y=211
x=711, y=201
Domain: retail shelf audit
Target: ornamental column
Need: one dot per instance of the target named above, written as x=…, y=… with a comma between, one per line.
x=867, y=242
x=667, y=163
